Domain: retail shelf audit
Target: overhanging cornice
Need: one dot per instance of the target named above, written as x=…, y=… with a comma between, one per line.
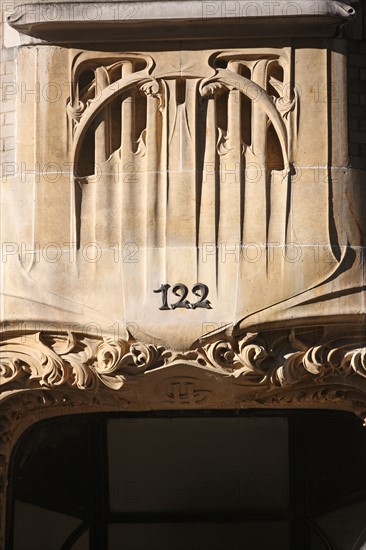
x=176, y=20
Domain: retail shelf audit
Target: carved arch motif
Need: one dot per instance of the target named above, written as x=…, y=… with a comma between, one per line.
x=231, y=119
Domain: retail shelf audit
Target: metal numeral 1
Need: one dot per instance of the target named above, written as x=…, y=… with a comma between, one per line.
x=164, y=297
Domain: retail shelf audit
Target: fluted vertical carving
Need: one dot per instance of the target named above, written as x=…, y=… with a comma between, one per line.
x=188, y=179
x=200, y=179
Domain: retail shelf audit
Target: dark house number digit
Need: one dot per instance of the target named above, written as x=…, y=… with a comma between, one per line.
x=181, y=291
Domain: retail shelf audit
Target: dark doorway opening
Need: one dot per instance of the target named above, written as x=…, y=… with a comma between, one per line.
x=252, y=480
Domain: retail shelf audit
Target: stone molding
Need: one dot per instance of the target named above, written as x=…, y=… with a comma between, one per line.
x=65, y=21
x=268, y=366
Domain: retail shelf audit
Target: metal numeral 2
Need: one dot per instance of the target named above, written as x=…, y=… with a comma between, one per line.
x=181, y=291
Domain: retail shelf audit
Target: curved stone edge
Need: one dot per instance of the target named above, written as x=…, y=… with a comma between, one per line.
x=41, y=19
x=28, y=13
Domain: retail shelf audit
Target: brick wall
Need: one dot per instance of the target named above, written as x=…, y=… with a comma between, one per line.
x=7, y=98
x=356, y=35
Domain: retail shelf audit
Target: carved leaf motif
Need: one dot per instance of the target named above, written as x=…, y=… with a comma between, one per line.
x=109, y=362
x=10, y=368
x=82, y=375
x=221, y=355
x=48, y=368
x=153, y=87
x=37, y=361
x=222, y=142
x=212, y=88
x=98, y=362
x=60, y=343
x=150, y=87
x=284, y=106
x=357, y=360
x=277, y=85
x=252, y=357
x=76, y=110
x=291, y=371
x=141, y=357
x=261, y=363
x=315, y=360
x=283, y=103
x=141, y=144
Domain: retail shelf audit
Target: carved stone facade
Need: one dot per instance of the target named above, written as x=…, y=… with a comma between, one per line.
x=188, y=232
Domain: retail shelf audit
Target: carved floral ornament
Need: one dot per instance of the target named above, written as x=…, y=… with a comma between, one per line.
x=280, y=367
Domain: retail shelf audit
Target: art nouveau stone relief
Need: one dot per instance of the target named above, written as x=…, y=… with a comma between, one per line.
x=182, y=168
x=254, y=368
x=188, y=233
x=188, y=155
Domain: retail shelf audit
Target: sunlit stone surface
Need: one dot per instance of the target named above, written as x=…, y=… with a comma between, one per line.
x=181, y=227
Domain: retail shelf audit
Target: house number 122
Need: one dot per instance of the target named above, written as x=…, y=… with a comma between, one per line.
x=181, y=291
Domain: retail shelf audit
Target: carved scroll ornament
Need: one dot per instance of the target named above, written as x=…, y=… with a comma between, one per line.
x=267, y=367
